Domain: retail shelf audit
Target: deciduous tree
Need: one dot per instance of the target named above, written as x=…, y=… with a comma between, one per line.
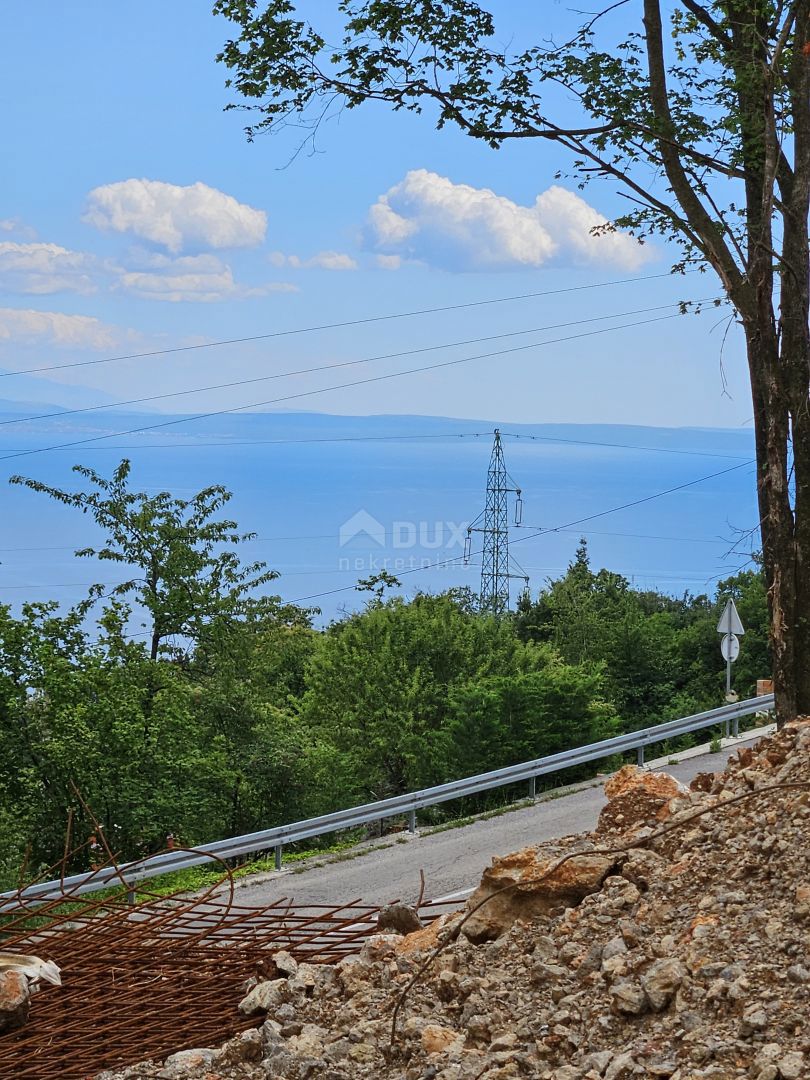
x=699, y=112
x=187, y=576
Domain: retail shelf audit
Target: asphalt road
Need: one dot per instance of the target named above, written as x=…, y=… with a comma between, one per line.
x=452, y=860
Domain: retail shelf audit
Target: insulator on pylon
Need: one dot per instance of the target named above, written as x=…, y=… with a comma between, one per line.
x=518, y=509
x=467, y=548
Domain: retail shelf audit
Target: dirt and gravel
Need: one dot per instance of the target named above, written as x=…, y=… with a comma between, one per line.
x=671, y=942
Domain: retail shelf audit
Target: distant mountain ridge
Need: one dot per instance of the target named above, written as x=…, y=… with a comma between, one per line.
x=664, y=506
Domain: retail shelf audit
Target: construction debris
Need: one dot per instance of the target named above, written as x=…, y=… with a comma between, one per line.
x=159, y=978
x=687, y=961
x=638, y=797
x=15, y=1000
x=33, y=968
x=526, y=884
x=20, y=976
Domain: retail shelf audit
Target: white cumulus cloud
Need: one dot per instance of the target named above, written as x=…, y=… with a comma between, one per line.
x=459, y=227
x=190, y=278
x=176, y=217
x=389, y=262
x=24, y=327
x=43, y=268
x=18, y=228
x=324, y=260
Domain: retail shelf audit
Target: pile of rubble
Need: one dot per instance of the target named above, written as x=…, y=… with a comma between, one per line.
x=20, y=977
x=672, y=942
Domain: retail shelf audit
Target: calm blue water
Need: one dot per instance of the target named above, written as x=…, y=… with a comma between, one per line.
x=296, y=495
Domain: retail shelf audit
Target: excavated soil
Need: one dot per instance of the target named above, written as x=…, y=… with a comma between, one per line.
x=674, y=944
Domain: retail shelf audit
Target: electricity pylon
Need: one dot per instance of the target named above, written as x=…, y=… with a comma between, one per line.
x=495, y=562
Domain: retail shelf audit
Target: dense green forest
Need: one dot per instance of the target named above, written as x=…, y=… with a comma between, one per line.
x=232, y=712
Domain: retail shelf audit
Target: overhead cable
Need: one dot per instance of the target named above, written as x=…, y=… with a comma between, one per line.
x=542, y=532
x=334, y=326
x=61, y=413
x=329, y=389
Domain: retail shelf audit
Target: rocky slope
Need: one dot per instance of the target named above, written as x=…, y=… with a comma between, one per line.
x=673, y=942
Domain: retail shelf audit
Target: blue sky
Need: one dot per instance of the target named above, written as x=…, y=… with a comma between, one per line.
x=134, y=215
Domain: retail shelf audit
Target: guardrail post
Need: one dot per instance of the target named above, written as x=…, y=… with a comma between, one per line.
x=268, y=839
x=735, y=727
x=411, y=821
x=728, y=727
x=533, y=787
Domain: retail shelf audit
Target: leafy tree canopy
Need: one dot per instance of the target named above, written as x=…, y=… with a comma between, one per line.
x=699, y=112
x=187, y=576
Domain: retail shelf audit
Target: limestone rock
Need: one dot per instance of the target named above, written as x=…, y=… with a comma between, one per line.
x=801, y=907
x=379, y=946
x=35, y=969
x=398, y=919
x=662, y=980
x=622, y=1066
x=309, y=1043
x=15, y=1000
x=424, y=940
x=637, y=798
x=264, y=997
x=704, y=781
x=285, y=964
x=246, y=1046
x=629, y=998
x=437, y=1039
x=186, y=1063
x=684, y=960
x=791, y=1066
x=536, y=886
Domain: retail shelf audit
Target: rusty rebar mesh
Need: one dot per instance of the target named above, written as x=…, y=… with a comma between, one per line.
x=166, y=974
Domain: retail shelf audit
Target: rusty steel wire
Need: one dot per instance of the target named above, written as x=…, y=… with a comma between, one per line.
x=145, y=980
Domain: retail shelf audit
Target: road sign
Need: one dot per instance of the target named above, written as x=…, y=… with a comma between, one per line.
x=731, y=627
x=730, y=621
x=730, y=647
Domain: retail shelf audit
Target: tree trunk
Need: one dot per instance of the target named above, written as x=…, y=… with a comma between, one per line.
x=779, y=383
x=801, y=456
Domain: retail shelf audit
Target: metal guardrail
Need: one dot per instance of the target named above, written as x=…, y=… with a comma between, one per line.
x=397, y=806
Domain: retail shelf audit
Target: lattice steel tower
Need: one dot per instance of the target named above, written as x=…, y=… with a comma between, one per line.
x=495, y=561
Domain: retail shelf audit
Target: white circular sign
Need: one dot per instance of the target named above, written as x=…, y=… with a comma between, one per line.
x=730, y=647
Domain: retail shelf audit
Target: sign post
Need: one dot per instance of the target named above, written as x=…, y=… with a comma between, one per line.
x=731, y=627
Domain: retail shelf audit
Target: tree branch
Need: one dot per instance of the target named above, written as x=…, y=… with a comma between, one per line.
x=695, y=212
x=714, y=28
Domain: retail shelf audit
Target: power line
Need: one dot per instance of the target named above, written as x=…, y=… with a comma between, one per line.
x=334, y=326
x=633, y=502
x=329, y=389
x=228, y=443
x=717, y=542
x=326, y=367
x=676, y=575
x=542, y=532
x=440, y=563
x=621, y=446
